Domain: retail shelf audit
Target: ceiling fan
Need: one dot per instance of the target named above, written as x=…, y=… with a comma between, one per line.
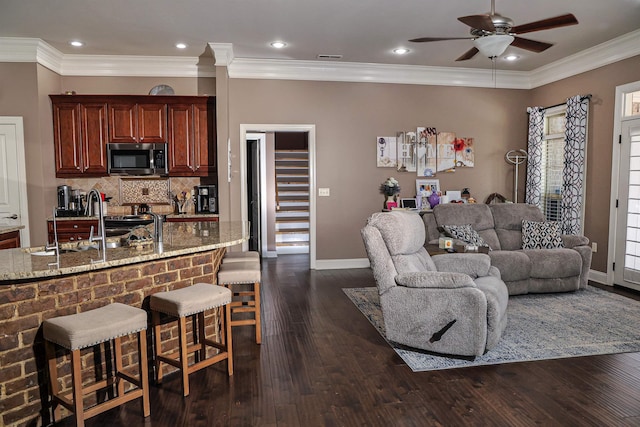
x=492, y=33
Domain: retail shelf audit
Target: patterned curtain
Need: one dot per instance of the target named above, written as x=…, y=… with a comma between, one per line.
x=533, y=190
x=574, y=164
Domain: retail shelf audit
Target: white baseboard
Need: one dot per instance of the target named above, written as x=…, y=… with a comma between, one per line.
x=598, y=277
x=339, y=264
x=270, y=254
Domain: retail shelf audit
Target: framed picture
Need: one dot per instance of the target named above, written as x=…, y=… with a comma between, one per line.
x=408, y=203
x=427, y=185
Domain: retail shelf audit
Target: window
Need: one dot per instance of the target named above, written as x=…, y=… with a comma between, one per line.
x=553, y=162
x=632, y=104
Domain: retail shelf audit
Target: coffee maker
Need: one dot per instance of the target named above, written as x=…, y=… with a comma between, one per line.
x=69, y=201
x=206, y=199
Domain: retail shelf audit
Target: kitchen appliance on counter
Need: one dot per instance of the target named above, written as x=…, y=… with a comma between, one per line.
x=206, y=199
x=137, y=159
x=70, y=202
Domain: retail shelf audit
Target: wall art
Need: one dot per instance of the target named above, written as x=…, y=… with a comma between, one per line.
x=426, y=151
x=406, y=142
x=386, y=152
x=465, y=156
x=446, y=154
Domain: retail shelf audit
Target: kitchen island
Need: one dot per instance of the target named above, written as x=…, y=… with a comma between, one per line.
x=34, y=288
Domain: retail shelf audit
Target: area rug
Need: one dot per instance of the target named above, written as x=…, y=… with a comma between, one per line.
x=540, y=326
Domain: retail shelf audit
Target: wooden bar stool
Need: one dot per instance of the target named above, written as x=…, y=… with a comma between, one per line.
x=178, y=305
x=239, y=276
x=240, y=257
x=91, y=328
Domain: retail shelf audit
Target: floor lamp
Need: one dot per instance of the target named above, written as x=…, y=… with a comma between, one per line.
x=516, y=158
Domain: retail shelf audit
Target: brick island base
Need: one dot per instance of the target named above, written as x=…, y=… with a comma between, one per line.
x=24, y=399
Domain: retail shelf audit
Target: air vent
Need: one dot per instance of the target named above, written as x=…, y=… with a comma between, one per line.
x=334, y=57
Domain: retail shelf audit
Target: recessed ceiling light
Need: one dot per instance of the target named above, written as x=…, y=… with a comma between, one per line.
x=401, y=50
x=511, y=57
x=181, y=45
x=278, y=45
x=76, y=43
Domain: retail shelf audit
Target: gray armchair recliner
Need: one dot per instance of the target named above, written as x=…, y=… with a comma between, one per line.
x=452, y=304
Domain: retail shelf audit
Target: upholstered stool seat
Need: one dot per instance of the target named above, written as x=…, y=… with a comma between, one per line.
x=241, y=257
x=244, y=278
x=180, y=304
x=77, y=331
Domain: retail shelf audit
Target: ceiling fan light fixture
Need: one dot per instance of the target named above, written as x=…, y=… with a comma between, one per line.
x=493, y=45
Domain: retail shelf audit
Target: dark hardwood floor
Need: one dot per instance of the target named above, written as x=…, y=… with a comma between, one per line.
x=322, y=364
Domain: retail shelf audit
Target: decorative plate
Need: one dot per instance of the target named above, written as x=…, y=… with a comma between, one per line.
x=161, y=90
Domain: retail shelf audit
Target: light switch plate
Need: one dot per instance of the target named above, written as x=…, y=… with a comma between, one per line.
x=324, y=192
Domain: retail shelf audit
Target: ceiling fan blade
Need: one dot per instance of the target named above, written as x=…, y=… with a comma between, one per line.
x=532, y=45
x=480, y=22
x=438, y=39
x=468, y=54
x=546, y=24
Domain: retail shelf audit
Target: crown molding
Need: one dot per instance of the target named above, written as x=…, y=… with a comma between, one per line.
x=623, y=47
x=14, y=49
x=223, y=53
x=129, y=65
x=244, y=68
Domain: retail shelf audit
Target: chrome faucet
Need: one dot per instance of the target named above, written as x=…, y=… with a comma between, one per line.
x=55, y=245
x=100, y=237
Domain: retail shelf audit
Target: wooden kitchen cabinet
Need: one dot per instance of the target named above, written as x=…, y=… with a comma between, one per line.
x=10, y=240
x=136, y=122
x=72, y=230
x=83, y=125
x=192, y=139
x=79, y=135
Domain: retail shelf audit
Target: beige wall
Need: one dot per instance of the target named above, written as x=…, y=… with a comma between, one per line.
x=349, y=117
x=601, y=83
x=133, y=85
x=22, y=95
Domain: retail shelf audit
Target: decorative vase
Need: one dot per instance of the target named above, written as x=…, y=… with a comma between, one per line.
x=390, y=199
x=434, y=199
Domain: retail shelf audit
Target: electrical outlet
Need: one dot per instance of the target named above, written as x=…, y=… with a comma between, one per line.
x=324, y=192
x=594, y=247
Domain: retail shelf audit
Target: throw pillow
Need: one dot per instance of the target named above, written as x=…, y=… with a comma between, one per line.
x=465, y=233
x=541, y=235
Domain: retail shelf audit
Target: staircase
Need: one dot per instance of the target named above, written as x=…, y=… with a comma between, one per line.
x=292, y=201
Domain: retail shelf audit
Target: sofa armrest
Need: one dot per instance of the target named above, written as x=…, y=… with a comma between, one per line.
x=475, y=265
x=573, y=240
x=435, y=280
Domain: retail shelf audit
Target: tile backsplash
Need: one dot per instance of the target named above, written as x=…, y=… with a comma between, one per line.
x=127, y=191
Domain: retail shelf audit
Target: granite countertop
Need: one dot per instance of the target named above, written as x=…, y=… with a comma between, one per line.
x=9, y=228
x=179, y=238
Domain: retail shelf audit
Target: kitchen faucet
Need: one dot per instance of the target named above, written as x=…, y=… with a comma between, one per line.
x=101, y=234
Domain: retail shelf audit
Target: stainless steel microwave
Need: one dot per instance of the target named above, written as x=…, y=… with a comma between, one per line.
x=137, y=159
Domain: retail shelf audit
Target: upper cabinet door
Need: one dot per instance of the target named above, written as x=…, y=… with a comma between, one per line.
x=123, y=122
x=152, y=122
x=66, y=138
x=94, y=138
x=131, y=122
x=181, y=156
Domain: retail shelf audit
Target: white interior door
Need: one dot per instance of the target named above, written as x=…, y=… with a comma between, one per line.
x=13, y=188
x=627, y=245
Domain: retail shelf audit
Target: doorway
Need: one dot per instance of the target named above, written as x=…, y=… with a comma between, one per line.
x=14, y=209
x=623, y=266
x=248, y=134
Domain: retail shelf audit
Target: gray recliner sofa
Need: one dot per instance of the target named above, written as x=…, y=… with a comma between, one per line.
x=448, y=304
x=523, y=270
